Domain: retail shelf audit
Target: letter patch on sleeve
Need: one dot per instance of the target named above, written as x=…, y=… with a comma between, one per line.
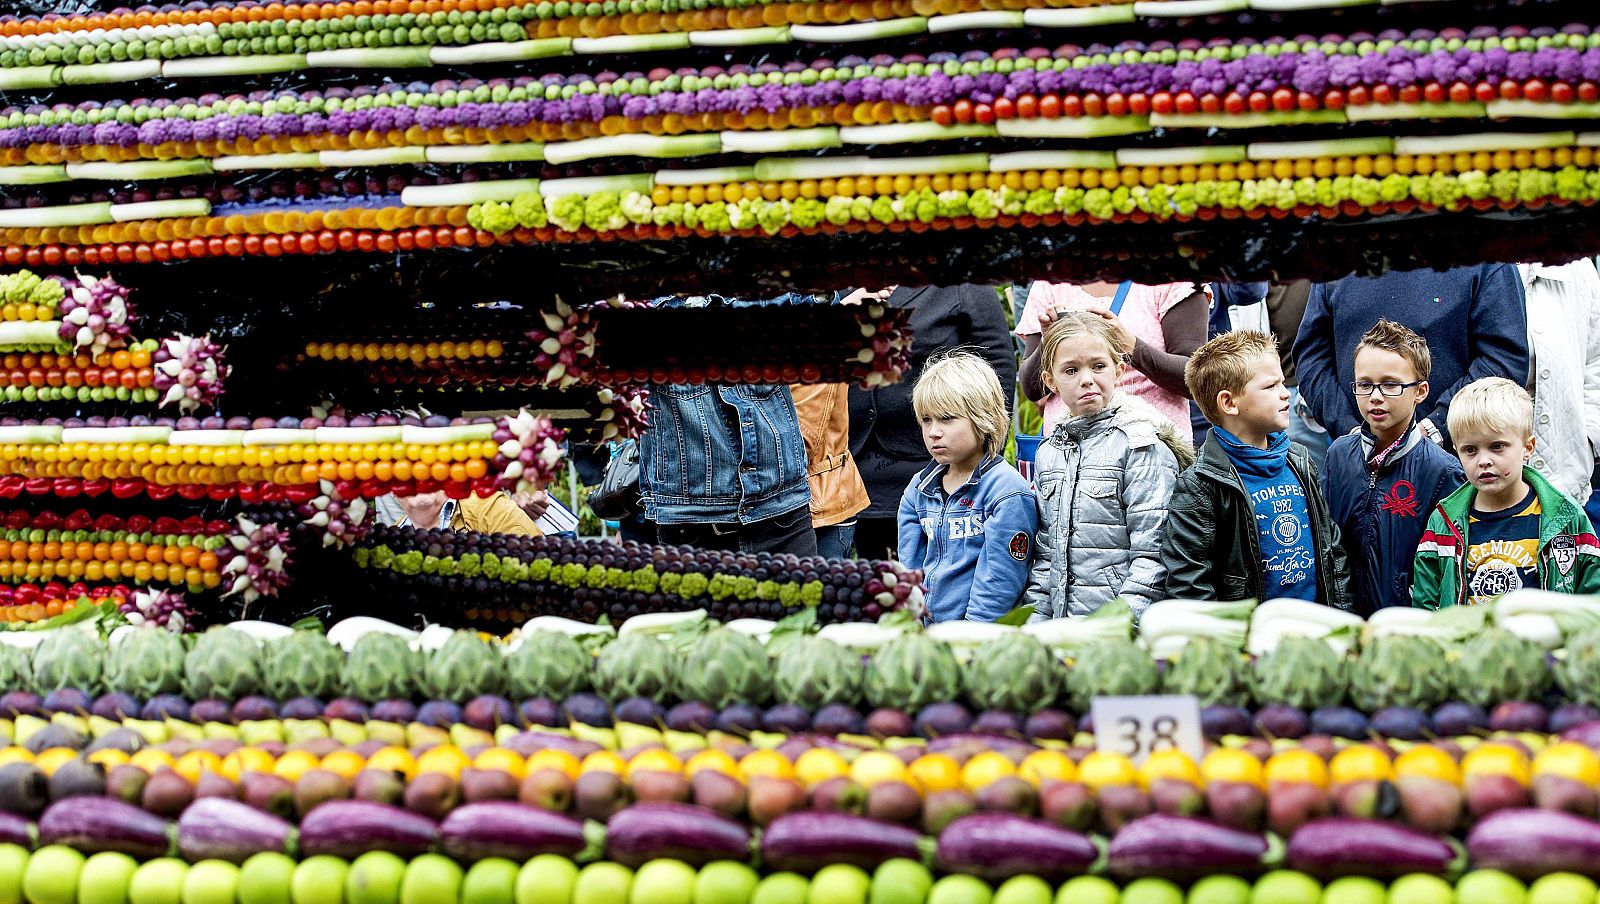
x=1019, y=546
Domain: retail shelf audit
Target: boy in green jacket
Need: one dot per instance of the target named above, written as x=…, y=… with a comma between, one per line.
x=1507, y=528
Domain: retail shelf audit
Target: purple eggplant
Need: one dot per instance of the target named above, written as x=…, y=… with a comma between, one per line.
x=17, y=830
x=350, y=828
x=808, y=841
x=1531, y=843
x=503, y=828
x=215, y=828
x=1185, y=848
x=997, y=846
x=695, y=835
x=95, y=824
x=1336, y=846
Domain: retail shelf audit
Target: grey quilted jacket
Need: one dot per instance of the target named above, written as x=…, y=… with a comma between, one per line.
x=1103, y=483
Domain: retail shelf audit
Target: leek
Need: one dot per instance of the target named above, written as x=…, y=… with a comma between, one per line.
x=231, y=163
x=633, y=146
x=1384, y=112
x=1022, y=161
x=1512, y=109
x=904, y=132
x=140, y=170
x=464, y=433
x=1073, y=127
x=780, y=140
x=29, y=332
x=712, y=176
x=500, y=52
x=1248, y=120
x=113, y=435
x=465, y=193
x=1082, y=17
x=373, y=157
x=484, y=153
x=588, y=185
x=225, y=67
x=30, y=78
x=740, y=37
x=160, y=210
x=208, y=438
x=370, y=58
x=32, y=175
x=105, y=73
x=1487, y=141
x=632, y=43
x=1174, y=9
x=1310, y=150
x=1196, y=156
x=90, y=214
x=1588, y=139
x=860, y=31
x=1289, y=6
x=969, y=21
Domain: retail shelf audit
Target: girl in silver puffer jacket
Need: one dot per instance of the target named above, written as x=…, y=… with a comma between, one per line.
x=1103, y=479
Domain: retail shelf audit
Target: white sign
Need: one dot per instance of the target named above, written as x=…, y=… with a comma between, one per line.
x=1136, y=727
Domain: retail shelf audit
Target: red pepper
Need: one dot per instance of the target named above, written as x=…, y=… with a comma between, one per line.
x=301, y=493
x=220, y=493
x=127, y=488
x=107, y=522
x=158, y=492
x=136, y=523
x=250, y=494
x=97, y=487
x=67, y=487
x=193, y=491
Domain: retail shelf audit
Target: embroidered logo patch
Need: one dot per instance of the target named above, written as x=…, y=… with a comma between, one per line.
x=1400, y=500
x=1564, y=552
x=1019, y=546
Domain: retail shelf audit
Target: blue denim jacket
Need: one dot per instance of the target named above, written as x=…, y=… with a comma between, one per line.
x=974, y=546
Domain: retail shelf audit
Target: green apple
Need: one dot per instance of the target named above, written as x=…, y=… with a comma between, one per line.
x=51, y=876
x=782, y=888
x=725, y=882
x=1023, y=890
x=663, y=881
x=1562, y=888
x=1285, y=886
x=546, y=879
x=103, y=879
x=602, y=883
x=211, y=882
x=960, y=890
x=13, y=864
x=1220, y=889
x=1087, y=890
x=158, y=881
x=1148, y=891
x=374, y=878
x=430, y=879
x=490, y=881
x=900, y=881
x=1421, y=888
x=319, y=880
x=1490, y=886
x=265, y=878
x=1355, y=890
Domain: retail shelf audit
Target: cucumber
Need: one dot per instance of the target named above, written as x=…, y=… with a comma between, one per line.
x=91, y=214
x=781, y=140
x=232, y=163
x=1021, y=161
x=464, y=193
x=904, y=132
x=466, y=433
x=370, y=58
x=484, y=153
x=860, y=31
x=32, y=175
x=151, y=435
x=1249, y=120
x=1083, y=17
x=740, y=37
x=225, y=67
x=1383, y=112
x=1216, y=153
x=632, y=43
x=31, y=435
x=971, y=21
x=212, y=438
x=159, y=210
x=1067, y=127
x=358, y=434
x=373, y=157
x=139, y=170
x=35, y=332
x=588, y=185
x=1306, y=150
x=657, y=146
x=29, y=78
x=1483, y=141
x=279, y=436
x=1527, y=109
x=500, y=52
x=105, y=73
x=714, y=175
x=1176, y=9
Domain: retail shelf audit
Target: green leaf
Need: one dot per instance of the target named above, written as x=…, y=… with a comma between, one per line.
x=1017, y=617
x=309, y=623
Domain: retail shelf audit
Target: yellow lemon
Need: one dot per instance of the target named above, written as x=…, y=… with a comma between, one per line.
x=1360, y=763
x=656, y=759
x=151, y=759
x=1168, y=764
x=1047, y=766
x=198, y=762
x=15, y=755
x=1227, y=764
x=1428, y=761
x=936, y=772
x=769, y=763
x=109, y=758
x=244, y=760
x=394, y=759
x=1569, y=759
x=1297, y=766
x=559, y=760
x=446, y=759
x=877, y=766
x=50, y=760
x=819, y=764
x=605, y=761
x=499, y=759
x=294, y=764
x=1497, y=759
x=712, y=758
x=1099, y=770
x=985, y=769
x=344, y=763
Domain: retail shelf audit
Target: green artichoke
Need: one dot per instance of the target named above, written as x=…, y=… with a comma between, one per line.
x=304, y=664
x=1301, y=671
x=1497, y=666
x=382, y=666
x=1400, y=670
x=635, y=665
x=548, y=664
x=1579, y=673
x=68, y=658
x=1016, y=673
x=223, y=663
x=1213, y=671
x=465, y=667
x=146, y=662
x=814, y=672
x=1112, y=668
x=725, y=667
x=912, y=671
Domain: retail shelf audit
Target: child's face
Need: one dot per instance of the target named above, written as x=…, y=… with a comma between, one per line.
x=1493, y=460
x=1084, y=375
x=1263, y=405
x=951, y=440
x=1379, y=366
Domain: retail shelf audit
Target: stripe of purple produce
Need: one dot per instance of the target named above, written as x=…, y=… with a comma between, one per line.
x=350, y=828
x=1530, y=843
x=697, y=836
x=997, y=846
x=1336, y=846
x=1185, y=848
x=215, y=828
x=806, y=842
x=503, y=828
x=95, y=824
x=17, y=830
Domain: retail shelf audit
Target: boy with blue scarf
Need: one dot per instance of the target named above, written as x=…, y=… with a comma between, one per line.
x=1248, y=518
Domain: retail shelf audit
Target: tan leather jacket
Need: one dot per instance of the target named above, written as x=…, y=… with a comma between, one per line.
x=495, y=514
x=837, y=493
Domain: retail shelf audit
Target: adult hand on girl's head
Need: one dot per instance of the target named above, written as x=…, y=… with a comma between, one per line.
x=1128, y=338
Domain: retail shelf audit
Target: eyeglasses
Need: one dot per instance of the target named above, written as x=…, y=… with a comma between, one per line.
x=1389, y=390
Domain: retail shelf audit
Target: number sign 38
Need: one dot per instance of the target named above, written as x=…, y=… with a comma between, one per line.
x=1136, y=727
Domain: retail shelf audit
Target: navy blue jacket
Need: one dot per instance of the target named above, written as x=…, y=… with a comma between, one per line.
x=1381, y=517
x=1474, y=318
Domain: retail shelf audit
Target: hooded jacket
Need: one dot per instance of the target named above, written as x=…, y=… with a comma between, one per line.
x=1381, y=515
x=1212, y=548
x=973, y=545
x=1569, y=555
x=1103, y=483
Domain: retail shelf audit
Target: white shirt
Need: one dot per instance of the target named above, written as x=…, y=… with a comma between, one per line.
x=1564, y=338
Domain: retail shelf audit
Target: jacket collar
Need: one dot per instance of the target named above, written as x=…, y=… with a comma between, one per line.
x=1213, y=462
x=928, y=483
x=1554, y=505
x=1369, y=444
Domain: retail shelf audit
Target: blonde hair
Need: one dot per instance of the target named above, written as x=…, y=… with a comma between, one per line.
x=1078, y=323
x=1225, y=365
x=961, y=384
x=1491, y=405
x=1386, y=335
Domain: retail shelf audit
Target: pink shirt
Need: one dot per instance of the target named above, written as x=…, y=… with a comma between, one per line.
x=1142, y=312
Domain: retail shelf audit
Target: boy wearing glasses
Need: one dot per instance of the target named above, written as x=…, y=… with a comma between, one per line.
x=1384, y=479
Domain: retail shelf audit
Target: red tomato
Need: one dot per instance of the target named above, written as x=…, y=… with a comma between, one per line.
x=1005, y=108
x=1050, y=106
x=1027, y=106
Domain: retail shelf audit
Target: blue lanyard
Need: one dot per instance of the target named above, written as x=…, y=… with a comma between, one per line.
x=1121, y=296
